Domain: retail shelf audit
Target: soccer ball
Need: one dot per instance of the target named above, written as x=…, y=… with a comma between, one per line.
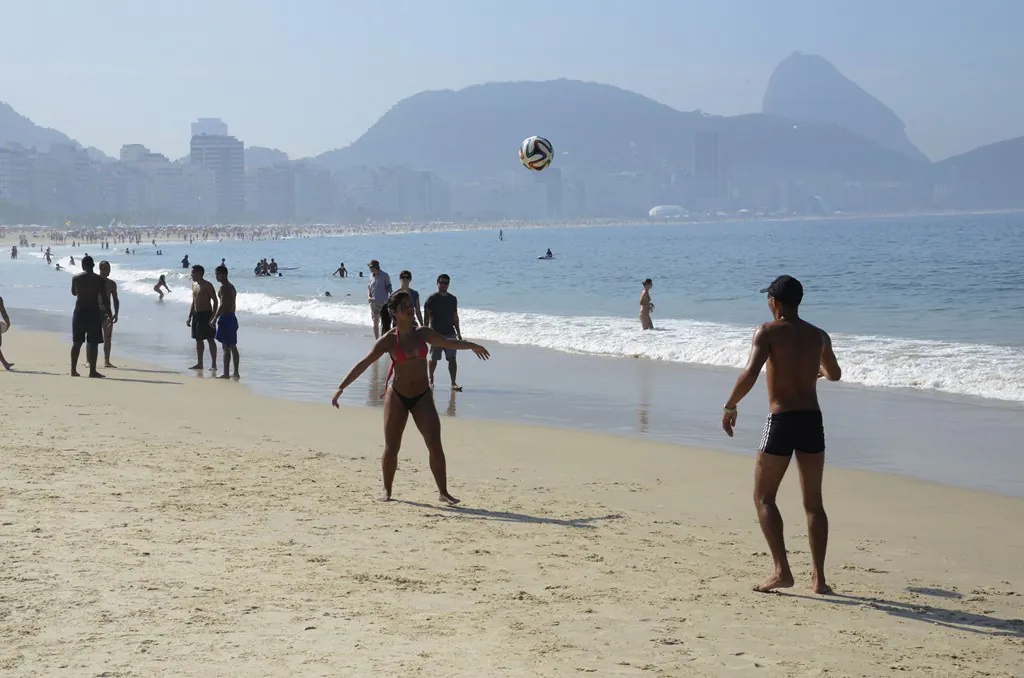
x=536, y=153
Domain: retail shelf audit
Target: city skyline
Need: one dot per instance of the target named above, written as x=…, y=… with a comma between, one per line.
x=310, y=81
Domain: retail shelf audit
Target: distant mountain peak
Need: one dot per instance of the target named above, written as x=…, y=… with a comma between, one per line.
x=807, y=87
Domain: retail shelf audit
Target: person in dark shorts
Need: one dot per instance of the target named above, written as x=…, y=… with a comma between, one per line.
x=200, y=315
x=92, y=298
x=797, y=354
x=441, y=314
x=226, y=321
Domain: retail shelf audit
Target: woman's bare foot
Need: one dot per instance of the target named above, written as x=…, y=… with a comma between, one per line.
x=197, y=366
x=74, y=373
x=448, y=499
x=8, y=366
x=384, y=496
x=224, y=376
x=96, y=375
x=109, y=366
x=457, y=388
x=783, y=580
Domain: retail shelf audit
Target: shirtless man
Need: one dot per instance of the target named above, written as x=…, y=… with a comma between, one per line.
x=7, y=321
x=91, y=297
x=798, y=354
x=200, y=314
x=225, y=321
x=108, y=319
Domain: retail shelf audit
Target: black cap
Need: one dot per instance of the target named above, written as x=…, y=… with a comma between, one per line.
x=786, y=289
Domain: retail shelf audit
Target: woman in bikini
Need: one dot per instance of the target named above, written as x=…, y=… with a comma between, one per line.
x=646, y=306
x=409, y=393
x=162, y=282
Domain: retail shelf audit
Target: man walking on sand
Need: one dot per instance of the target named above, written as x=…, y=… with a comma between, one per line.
x=204, y=306
x=377, y=294
x=91, y=297
x=798, y=354
x=226, y=322
x=108, y=318
x=441, y=314
x=7, y=326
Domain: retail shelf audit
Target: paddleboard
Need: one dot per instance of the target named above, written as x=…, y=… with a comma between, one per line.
x=542, y=258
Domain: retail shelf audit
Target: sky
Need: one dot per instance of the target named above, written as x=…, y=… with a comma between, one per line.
x=307, y=76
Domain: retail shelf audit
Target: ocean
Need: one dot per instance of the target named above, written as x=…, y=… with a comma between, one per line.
x=921, y=310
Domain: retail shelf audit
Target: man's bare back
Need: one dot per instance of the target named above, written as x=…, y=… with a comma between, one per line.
x=90, y=291
x=203, y=293
x=796, y=352
x=227, y=296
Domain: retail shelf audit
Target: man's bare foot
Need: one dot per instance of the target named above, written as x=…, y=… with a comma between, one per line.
x=235, y=376
x=110, y=366
x=776, y=581
x=8, y=366
x=74, y=373
x=213, y=368
x=457, y=388
x=384, y=496
x=96, y=375
x=223, y=376
x=197, y=366
x=448, y=499
x=819, y=586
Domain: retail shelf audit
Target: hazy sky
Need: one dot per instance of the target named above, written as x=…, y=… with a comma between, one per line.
x=306, y=76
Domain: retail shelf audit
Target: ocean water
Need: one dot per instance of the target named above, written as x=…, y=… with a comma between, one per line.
x=931, y=303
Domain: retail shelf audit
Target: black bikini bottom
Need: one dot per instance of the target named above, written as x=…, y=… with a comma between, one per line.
x=410, y=401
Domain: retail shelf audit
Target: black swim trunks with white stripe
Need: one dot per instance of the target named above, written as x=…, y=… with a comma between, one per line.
x=803, y=431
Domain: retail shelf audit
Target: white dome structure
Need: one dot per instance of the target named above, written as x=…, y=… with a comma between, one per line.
x=666, y=212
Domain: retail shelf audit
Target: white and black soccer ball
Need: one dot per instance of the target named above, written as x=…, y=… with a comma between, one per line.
x=536, y=153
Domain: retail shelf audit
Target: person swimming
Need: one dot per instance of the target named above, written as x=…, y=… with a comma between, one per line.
x=407, y=345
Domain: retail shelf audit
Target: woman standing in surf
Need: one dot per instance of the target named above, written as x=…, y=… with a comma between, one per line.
x=646, y=306
x=410, y=392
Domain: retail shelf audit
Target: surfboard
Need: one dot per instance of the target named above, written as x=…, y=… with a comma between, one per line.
x=542, y=258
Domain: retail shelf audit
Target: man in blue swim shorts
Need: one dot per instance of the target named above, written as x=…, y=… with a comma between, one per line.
x=226, y=322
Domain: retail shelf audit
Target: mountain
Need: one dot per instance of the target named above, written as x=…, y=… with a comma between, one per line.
x=599, y=130
x=807, y=87
x=989, y=177
x=17, y=129
x=258, y=156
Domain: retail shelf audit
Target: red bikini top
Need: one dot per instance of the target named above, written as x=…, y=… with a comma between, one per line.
x=399, y=356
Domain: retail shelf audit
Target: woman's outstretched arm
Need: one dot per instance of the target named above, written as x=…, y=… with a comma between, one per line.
x=379, y=349
x=435, y=339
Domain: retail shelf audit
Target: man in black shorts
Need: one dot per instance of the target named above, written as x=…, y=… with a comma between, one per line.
x=92, y=299
x=798, y=354
x=441, y=314
x=204, y=306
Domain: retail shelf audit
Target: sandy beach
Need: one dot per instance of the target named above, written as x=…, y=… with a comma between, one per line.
x=160, y=524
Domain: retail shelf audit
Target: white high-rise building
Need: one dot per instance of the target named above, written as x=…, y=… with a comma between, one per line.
x=214, y=127
x=225, y=157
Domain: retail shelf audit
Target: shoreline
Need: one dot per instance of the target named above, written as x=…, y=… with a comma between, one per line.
x=9, y=233
x=905, y=433
x=212, y=531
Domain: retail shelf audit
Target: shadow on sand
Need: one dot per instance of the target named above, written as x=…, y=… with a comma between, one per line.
x=509, y=516
x=930, y=614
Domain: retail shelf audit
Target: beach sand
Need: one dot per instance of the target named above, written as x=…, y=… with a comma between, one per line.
x=159, y=524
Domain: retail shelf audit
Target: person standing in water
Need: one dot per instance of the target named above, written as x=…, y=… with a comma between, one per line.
x=162, y=282
x=109, y=318
x=441, y=313
x=7, y=321
x=342, y=271
x=226, y=322
x=798, y=354
x=410, y=393
x=405, y=278
x=377, y=294
x=204, y=306
x=91, y=297
x=646, y=306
